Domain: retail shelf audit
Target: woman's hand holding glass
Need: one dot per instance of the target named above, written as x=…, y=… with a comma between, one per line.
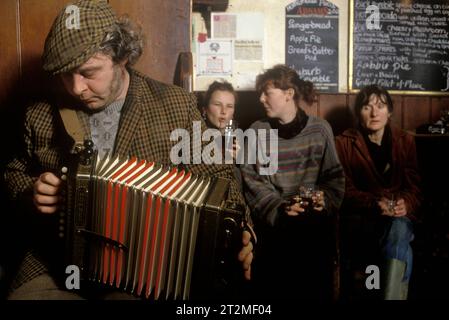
x=392, y=207
x=318, y=200
x=308, y=199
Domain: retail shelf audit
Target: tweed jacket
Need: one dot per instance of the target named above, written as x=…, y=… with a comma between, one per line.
x=364, y=185
x=151, y=111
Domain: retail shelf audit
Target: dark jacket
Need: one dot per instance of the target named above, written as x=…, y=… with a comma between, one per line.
x=364, y=185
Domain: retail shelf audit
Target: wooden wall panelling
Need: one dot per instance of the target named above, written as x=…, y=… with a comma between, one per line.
x=328, y=102
x=249, y=108
x=311, y=110
x=437, y=104
x=9, y=77
x=397, y=119
x=166, y=27
x=9, y=62
x=36, y=19
x=445, y=102
x=351, y=101
x=416, y=111
x=334, y=108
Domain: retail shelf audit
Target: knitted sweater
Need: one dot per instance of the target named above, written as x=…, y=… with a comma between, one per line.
x=309, y=158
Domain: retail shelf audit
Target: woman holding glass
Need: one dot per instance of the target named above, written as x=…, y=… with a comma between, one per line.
x=218, y=112
x=296, y=237
x=218, y=109
x=382, y=185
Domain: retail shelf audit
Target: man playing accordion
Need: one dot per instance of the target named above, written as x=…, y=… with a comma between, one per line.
x=121, y=110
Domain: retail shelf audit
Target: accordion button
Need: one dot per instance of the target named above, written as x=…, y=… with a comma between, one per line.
x=61, y=221
x=88, y=143
x=61, y=228
x=64, y=170
x=64, y=177
x=62, y=214
x=61, y=235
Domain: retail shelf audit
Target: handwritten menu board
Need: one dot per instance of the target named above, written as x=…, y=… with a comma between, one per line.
x=311, y=44
x=400, y=45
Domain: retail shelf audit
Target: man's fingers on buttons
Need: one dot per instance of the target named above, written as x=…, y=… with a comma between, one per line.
x=46, y=189
x=47, y=209
x=50, y=178
x=46, y=200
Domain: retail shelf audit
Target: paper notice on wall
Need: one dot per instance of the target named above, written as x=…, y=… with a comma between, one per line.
x=245, y=81
x=250, y=25
x=215, y=58
x=250, y=50
x=235, y=50
x=224, y=26
x=245, y=25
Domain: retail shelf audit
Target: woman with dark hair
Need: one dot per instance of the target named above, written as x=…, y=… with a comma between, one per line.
x=382, y=184
x=218, y=111
x=219, y=104
x=218, y=107
x=296, y=237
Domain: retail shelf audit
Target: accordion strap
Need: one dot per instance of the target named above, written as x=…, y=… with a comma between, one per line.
x=72, y=125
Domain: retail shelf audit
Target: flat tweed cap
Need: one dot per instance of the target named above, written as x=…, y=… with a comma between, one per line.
x=72, y=42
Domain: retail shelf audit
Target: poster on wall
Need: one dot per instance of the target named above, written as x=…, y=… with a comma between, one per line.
x=311, y=43
x=249, y=50
x=215, y=58
x=246, y=29
x=224, y=25
x=242, y=25
x=233, y=50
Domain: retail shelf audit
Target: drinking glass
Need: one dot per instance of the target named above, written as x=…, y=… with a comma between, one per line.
x=306, y=192
x=391, y=201
x=229, y=138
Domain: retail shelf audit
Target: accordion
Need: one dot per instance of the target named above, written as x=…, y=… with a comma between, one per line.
x=157, y=232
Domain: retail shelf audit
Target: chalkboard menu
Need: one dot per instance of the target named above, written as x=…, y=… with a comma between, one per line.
x=400, y=45
x=311, y=44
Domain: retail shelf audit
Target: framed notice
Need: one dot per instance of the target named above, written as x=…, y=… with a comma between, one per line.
x=215, y=58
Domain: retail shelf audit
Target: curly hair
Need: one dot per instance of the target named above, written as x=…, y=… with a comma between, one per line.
x=284, y=78
x=123, y=41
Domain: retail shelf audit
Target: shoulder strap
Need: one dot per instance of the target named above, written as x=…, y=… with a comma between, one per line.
x=72, y=125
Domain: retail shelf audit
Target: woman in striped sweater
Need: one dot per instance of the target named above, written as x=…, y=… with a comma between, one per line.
x=297, y=246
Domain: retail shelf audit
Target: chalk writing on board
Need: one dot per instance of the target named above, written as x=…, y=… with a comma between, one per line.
x=408, y=52
x=311, y=44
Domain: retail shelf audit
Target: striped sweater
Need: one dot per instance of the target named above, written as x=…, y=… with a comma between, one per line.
x=308, y=158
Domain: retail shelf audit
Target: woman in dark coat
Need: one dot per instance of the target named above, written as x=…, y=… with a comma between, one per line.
x=382, y=184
